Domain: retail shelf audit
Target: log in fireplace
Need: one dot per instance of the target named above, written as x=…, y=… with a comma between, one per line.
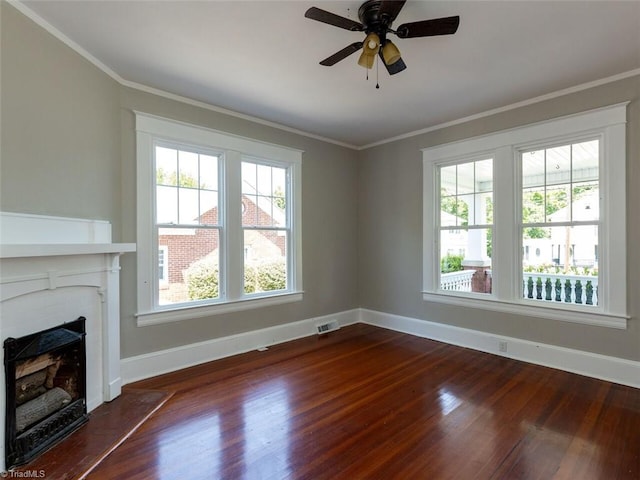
x=45, y=389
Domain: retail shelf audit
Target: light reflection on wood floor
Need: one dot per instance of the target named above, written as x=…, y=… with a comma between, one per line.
x=366, y=402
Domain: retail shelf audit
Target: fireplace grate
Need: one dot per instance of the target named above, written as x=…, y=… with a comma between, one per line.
x=32, y=442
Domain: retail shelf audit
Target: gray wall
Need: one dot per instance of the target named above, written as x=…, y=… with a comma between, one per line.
x=68, y=149
x=60, y=127
x=390, y=228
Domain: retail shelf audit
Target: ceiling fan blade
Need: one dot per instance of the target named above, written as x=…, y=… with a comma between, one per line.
x=342, y=54
x=390, y=8
x=395, y=67
x=429, y=28
x=323, y=16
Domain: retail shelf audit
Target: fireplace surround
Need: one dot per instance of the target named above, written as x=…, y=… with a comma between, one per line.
x=54, y=270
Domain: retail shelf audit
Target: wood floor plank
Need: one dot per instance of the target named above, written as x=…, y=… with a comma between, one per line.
x=369, y=403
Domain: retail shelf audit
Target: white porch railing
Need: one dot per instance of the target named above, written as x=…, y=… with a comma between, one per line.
x=558, y=287
x=552, y=287
x=459, y=281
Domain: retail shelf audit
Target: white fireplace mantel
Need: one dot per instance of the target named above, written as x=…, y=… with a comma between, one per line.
x=58, y=249
x=53, y=270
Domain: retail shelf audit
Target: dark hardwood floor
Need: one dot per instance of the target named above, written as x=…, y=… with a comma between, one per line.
x=369, y=403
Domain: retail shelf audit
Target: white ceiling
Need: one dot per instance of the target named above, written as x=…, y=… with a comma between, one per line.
x=260, y=58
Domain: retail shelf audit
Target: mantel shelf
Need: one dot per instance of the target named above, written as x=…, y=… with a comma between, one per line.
x=63, y=249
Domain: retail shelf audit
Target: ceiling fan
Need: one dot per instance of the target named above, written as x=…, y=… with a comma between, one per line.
x=376, y=18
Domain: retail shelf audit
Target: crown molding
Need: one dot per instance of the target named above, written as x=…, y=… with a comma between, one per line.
x=506, y=108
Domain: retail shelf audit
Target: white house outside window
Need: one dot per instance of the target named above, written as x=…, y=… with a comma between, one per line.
x=541, y=211
x=221, y=214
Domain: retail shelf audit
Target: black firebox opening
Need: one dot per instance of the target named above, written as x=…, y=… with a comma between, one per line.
x=45, y=389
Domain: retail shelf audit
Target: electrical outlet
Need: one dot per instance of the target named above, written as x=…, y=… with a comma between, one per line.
x=502, y=346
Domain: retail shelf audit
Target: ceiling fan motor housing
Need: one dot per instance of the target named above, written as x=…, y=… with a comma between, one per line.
x=369, y=15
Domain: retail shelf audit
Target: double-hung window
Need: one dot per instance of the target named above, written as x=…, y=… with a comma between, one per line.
x=218, y=222
x=531, y=220
x=560, y=220
x=465, y=225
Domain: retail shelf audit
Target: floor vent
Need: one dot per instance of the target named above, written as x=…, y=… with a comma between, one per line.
x=328, y=327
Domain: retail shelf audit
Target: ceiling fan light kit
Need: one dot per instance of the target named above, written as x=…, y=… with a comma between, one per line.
x=366, y=61
x=376, y=18
x=370, y=49
x=390, y=53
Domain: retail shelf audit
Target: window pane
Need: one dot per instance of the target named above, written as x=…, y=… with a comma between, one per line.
x=192, y=269
x=166, y=166
x=585, y=205
x=265, y=260
x=249, y=180
x=533, y=168
x=466, y=210
x=448, y=212
x=466, y=178
x=264, y=180
x=188, y=169
x=265, y=211
x=166, y=205
x=484, y=176
x=189, y=208
x=533, y=205
x=558, y=165
x=249, y=210
x=208, y=172
x=465, y=260
x=209, y=214
x=561, y=265
x=557, y=203
x=448, y=180
x=586, y=161
x=483, y=206
x=264, y=195
x=279, y=182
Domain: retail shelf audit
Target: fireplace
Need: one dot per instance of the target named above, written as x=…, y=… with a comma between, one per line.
x=45, y=389
x=53, y=269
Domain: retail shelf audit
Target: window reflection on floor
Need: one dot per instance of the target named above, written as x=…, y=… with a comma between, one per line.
x=200, y=436
x=448, y=401
x=267, y=431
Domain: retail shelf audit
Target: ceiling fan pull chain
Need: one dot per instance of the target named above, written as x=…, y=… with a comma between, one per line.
x=377, y=65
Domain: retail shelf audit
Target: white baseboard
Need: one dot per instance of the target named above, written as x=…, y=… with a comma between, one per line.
x=618, y=370
x=165, y=361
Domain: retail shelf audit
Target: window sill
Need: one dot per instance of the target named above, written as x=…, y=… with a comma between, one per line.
x=524, y=308
x=190, y=312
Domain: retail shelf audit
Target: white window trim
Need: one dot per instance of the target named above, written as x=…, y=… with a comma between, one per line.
x=150, y=128
x=607, y=123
